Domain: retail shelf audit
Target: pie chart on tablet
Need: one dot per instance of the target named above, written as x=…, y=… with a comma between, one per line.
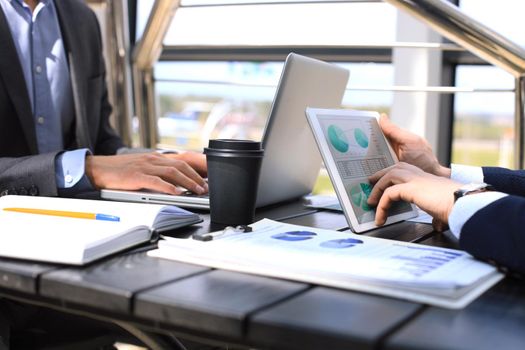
x=337, y=138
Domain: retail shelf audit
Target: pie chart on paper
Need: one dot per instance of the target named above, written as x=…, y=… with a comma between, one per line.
x=341, y=243
x=294, y=236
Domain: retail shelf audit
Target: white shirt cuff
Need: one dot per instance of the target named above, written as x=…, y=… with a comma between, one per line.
x=69, y=167
x=467, y=206
x=466, y=173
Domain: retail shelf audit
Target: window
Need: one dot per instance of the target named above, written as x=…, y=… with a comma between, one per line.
x=200, y=99
x=212, y=98
x=484, y=121
x=289, y=24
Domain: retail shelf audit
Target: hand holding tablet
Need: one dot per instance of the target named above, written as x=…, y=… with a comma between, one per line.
x=353, y=148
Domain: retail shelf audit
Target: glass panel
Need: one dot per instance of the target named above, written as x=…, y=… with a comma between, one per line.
x=202, y=100
x=143, y=10
x=333, y=23
x=295, y=24
x=503, y=16
x=484, y=121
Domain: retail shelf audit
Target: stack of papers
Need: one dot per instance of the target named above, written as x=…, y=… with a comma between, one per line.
x=437, y=276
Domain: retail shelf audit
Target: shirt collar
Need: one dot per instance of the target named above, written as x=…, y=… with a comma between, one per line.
x=22, y=3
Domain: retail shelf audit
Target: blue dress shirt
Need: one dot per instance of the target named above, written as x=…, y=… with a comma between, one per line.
x=41, y=52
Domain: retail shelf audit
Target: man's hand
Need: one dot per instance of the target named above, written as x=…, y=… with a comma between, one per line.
x=196, y=160
x=405, y=182
x=412, y=149
x=152, y=171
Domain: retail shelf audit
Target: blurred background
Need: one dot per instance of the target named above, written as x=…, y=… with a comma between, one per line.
x=220, y=62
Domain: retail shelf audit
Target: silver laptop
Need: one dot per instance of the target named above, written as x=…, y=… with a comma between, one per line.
x=291, y=160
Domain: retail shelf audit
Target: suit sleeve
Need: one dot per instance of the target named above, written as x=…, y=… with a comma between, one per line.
x=496, y=233
x=505, y=180
x=31, y=175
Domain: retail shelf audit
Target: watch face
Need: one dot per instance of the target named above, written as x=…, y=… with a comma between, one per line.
x=469, y=188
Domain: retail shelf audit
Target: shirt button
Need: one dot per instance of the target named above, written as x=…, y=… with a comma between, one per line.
x=40, y=120
x=38, y=69
x=69, y=178
x=33, y=190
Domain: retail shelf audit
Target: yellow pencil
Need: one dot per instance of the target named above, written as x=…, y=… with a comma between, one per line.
x=64, y=213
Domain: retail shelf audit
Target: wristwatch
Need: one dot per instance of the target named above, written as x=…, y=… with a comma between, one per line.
x=471, y=188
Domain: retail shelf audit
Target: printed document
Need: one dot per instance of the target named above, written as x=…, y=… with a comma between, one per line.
x=437, y=276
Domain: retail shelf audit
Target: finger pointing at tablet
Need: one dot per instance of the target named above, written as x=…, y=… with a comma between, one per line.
x=406, y=182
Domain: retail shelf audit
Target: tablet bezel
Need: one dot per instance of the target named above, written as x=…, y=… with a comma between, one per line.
x=337, y=181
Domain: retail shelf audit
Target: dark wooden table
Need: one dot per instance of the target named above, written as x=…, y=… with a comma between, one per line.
x=149, y=296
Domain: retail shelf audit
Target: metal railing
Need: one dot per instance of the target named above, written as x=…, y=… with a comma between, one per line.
x=118, y=44
x=389, y=88
x=333, y=53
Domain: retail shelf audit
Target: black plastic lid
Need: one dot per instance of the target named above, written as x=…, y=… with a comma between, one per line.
x=233, y=144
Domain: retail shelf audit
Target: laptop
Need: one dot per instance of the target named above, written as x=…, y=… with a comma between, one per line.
x=291, y=160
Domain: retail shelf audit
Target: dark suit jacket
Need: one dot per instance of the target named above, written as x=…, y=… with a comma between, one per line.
x=497, y=232
x=22, y=169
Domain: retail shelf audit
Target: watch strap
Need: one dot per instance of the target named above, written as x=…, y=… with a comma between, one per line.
x=470, y=189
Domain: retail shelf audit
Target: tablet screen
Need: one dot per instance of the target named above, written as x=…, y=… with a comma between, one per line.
x=353, y=148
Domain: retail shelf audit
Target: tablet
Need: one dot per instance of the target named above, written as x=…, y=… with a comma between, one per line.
x=353, y=147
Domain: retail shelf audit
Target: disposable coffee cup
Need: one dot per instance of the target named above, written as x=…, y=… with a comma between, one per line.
x=233, y=178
